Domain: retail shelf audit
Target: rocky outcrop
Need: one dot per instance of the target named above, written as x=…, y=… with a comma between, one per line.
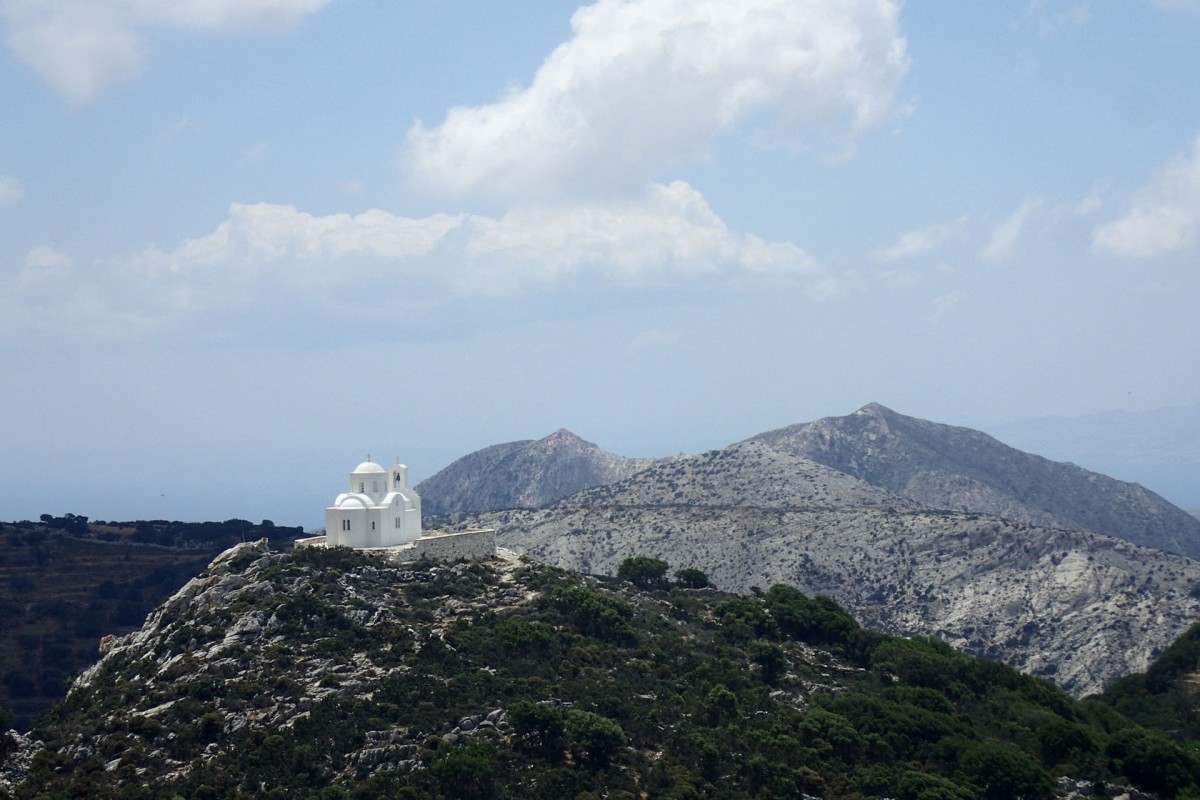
x=525, y=474
x=19, y=752
x=959, y=469
x=262, y=639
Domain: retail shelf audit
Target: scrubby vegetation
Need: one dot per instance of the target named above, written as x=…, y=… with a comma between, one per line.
x=67, y=581
x=59, y=594
x=522, y=681
x=1167, y=696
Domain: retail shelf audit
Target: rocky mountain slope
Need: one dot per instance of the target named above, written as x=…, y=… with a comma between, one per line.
x=946, y=467
x=525, y=474
x=1074, y=605
x=323, y=674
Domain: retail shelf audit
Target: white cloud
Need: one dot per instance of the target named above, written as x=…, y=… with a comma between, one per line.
x=1006, y=236
x=645, y=82
x=10, y=191
x=275, y=259
x=1165, y=214
x=43, y=264
x=920, y=241
x=44, y=277
x=669, y=234
x=81, y=47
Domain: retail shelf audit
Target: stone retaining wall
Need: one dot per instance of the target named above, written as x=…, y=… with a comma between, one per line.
x=468, y=545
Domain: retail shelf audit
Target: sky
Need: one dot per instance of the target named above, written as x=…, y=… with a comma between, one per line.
x=246, y=243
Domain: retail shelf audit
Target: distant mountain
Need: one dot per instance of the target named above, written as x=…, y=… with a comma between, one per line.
x=748, y=474
x=1076, y=606
x=524, y=474
x=959, y=469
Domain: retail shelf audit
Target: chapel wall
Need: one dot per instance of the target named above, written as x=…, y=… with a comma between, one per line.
x=469, y=545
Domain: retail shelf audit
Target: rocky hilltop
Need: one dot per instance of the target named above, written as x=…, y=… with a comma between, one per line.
x=1077, y=606
x=524, y=474
x=321, y=674
x=959, y=469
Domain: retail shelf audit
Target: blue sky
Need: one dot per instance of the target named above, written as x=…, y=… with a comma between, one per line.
x=245, y=242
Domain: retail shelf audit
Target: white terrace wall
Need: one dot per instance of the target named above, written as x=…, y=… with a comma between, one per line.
x=468, y=545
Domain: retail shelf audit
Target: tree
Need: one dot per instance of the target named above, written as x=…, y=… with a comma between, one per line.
x=770, y=658
x=594, y=737
x=1002, y=772
x=691, y=578
x=467, y=771
x=1153, y=761
x=644, y=572
x=721, y=705
x=538, y=725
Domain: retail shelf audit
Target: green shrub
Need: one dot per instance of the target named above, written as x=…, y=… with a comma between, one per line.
x=592, y=737
x=691, y=578
x=596, y=614
x=644, y=572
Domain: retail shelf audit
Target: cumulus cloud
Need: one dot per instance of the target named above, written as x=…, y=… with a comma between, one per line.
x=1006, y=236
x=81, y=47
x=1165, y=214
x=643, y=82
x=10, y=190
x=919, y=241
x=267, y=256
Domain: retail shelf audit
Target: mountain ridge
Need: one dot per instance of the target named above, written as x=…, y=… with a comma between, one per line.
x=524, y=474
x=961, y=469
x=1081, y=606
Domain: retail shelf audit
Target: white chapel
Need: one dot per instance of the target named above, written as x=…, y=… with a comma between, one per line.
x=380, y=510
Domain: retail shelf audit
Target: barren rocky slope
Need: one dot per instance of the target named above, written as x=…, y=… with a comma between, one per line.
x=1077, y=606
x=941, y=466
x=525, y=474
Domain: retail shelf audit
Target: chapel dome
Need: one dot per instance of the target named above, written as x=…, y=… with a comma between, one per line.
x=352, y=500
x=367, y=466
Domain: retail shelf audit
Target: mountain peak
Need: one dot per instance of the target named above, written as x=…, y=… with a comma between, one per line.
x=564, y=436
x=525, y=474
x=873, y=409
x=948, y=467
